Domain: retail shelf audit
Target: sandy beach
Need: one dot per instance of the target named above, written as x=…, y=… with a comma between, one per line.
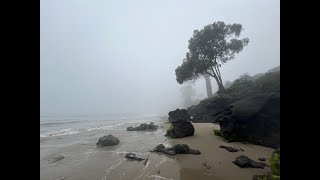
x=83, y=160
x=219, y=160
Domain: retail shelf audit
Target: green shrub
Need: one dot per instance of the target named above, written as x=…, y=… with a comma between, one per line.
x=217, y=133
x=275, y=163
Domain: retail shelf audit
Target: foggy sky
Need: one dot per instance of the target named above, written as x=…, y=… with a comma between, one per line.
x=115, y=56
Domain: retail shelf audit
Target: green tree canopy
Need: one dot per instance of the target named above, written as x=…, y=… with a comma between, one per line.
x=209, y=48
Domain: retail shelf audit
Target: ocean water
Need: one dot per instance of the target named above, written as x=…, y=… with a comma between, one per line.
x=68, y=147
x=60, y=125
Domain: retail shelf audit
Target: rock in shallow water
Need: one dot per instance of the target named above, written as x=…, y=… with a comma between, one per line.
x=230, y=149
x=245, y=162
x=133, y=157
x=143, y=127
x=108, y=140
x=176, y=149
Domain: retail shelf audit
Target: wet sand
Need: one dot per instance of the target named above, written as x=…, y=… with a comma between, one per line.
x=220, y=160
x=83, y=160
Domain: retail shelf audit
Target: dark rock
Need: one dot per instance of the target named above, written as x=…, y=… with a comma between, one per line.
x=245, y=162
x=158, y=172
x=204, y=111
x=180, y=129
x=183, y=149
x=262, y=159
x=179, y=115
x=143, y=127
x=133, y=156
x=176, y=149
x=230, y=149
x=162, y=148
x=255, y=119
x=108, y=140
x=180, y=124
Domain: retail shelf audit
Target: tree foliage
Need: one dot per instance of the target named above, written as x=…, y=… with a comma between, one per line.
x=209, y=48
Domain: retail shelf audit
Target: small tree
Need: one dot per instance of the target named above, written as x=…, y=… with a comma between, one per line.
x=209, y=48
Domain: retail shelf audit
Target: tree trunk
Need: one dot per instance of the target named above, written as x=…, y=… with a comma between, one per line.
x=220, y=84
x=221, y=87
x=208, y=86
x=217, y=77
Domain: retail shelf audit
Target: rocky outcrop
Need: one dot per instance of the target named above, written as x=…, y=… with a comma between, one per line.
x=204, y=111
x=245, y=162
x=180, y=124
x=255, y=119
x=176, y=149
x=133, y=157
x=230, y=149
x=243, y=87
x=108, y=140
x=143, y=127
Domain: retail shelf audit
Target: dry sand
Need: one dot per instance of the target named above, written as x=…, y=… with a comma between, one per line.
x=218, y=160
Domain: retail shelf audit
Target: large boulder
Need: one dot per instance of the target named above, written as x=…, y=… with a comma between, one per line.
x=143, y=127
x=108, y=140
x=255, y=119
x=180, y=124
x=176, y=149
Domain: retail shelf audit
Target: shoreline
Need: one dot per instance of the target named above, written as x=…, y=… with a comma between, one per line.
x=83, y=160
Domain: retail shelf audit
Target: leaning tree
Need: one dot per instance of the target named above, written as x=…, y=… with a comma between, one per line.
x=209, y=48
